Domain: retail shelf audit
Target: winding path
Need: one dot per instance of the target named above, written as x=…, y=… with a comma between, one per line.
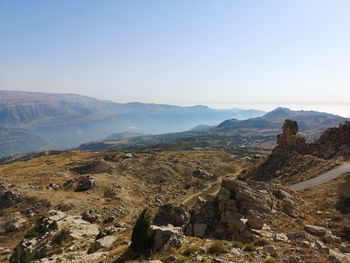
x=322, y=178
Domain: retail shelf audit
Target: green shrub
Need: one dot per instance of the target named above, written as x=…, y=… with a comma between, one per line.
x=270, y=260
x=238, y=244
x=62, y=236
x=181, y=259
x=142, y=236
x=249, y=248
x=190, y=250
x=21, y=255
x=217, y=247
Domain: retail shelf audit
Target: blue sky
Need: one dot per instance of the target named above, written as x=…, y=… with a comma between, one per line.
x=180, y=52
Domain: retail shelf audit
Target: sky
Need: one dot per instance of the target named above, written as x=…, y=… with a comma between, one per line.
x=227, y=53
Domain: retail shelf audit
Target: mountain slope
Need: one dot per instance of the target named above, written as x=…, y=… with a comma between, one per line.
x=232, y=134
x=311, y=123
x=68, y=120
x=13, y=141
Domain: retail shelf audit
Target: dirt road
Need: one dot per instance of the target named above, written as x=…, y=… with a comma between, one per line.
x=322, y=178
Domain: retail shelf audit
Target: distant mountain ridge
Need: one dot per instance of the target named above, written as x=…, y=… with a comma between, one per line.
x=231, y=134
x=311, y=123
x=67, y=120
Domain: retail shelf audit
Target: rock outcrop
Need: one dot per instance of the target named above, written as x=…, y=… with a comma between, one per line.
x=166, y=237
x=169, y=214
x=334, y=142
x=54, y=235
x=240, y=210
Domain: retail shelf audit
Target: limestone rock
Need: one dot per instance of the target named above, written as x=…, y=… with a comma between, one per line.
x=91, y=216
x=202, y=174
x=14, y=224
x=270, y=249
x=316, y=230
x=162, y=234
x=9, y=198
x=104, y=243
x=85, y=183
x=169, y=214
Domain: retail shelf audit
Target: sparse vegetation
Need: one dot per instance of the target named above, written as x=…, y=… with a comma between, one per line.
x=142, y=236
x=238, y=244
x=270, y=260
x=190, y=250
x=249, y=248
x=217, y=247
x=62, y=236
x=21, y=255
x=181, y=259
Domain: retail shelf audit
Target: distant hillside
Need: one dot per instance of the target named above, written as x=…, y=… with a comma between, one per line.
x=311, y=123
x=233, y=134
x=67, y=120
x=14, y=141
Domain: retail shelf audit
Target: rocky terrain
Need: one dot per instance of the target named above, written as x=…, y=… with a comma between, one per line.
x=203, y=205
x=294, y=158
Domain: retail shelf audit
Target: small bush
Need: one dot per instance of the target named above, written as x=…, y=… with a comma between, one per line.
x=261, y=243
x=270, y=260
x=190, y=250
x=249, y=248
x=181, y=259
x=217, y=247
x=238, y=244
x=62, y=236
x=21, y=255
x=142, y=236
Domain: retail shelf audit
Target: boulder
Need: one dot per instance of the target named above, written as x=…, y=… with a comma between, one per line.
x=14, y=224
x=104, y=243
x=91, y=216
x=169, y=214
x=270, y=249
x=255, y=222
x=9, y=198
x=315, y=230
x=162, y=235
x=202, y=174
x=85, y=183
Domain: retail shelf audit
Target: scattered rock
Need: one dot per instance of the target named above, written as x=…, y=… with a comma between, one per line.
x=85, y=183
x=202, y=174
x=270, y=249
x=14, y=224
x=91, y=216
x=316, y=230
x=163, y=234
x=9, y=198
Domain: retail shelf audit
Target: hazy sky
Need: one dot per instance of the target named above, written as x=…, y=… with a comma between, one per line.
x=180, y=52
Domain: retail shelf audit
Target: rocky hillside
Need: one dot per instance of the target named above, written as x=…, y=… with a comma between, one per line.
x=311, y=123
x=294, y=153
